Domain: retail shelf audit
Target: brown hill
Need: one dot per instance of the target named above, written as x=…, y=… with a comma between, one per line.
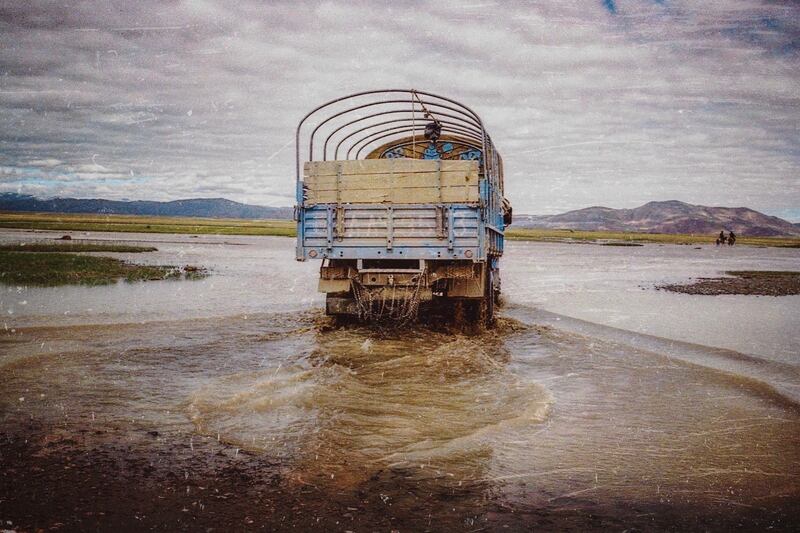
x=666, y=217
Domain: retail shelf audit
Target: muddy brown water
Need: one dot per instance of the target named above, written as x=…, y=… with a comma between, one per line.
x=175, y=406
x=518, y=426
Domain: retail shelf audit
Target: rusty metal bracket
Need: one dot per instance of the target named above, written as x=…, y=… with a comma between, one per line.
x=389, y=227
x=329, y=226
x=338, y=183
x=439, y=179
x=450, y=230
x=440, y=229
x=340, y=228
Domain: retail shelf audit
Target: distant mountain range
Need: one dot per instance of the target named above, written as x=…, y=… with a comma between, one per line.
x=654, y=217
x=195, y=207
x=665, y=217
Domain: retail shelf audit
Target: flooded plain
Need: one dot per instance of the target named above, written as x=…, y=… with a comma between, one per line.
x=231, y=402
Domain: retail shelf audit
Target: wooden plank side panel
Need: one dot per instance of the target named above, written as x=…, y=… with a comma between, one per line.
x=395, y=181
x=391, y=181
x=417, y=195
x=385, y=166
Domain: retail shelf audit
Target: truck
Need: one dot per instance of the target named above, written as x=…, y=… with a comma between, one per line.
x=400, y=196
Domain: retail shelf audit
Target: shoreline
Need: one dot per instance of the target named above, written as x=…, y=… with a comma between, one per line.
x=749, y=283
x=286, y=228
x=267, y=418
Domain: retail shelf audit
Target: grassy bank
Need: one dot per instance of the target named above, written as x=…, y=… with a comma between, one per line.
x=74, y=247
x=48, y=269
x=286, y=228
x=142, y=224
x=58, y=263
x=560, y=235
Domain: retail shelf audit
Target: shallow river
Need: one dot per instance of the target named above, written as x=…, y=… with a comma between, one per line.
x=552, y=419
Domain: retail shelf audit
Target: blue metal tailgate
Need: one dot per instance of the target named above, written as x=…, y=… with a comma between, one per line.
x=395, y=231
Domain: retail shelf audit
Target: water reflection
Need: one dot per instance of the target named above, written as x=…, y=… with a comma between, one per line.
x=459, y=428
x=419, y=402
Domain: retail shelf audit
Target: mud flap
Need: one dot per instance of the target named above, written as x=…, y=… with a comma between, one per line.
x=337, y=305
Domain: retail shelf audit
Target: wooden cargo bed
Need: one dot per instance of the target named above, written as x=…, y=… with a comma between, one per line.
x=391, y=181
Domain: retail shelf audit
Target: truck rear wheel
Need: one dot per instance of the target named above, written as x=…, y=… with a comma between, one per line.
x=478, y=312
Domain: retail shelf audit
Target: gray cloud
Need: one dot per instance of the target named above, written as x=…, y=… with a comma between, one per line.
x=660, y=99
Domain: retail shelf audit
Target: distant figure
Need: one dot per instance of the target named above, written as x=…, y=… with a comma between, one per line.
x=721, y=238
x=731, y=238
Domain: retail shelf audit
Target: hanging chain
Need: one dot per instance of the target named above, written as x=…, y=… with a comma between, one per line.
x=381, y=306
x=427, y=113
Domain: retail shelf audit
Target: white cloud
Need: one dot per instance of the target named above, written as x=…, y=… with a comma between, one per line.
x=49, y=162
x=690, y=100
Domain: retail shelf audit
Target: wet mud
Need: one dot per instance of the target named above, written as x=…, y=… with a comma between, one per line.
x=758, y=283
x=287, y=421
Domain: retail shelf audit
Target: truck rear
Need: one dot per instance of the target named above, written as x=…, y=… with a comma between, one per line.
x=415, y=223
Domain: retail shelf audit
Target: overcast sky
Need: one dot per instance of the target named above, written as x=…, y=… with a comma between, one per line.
x=590, y=102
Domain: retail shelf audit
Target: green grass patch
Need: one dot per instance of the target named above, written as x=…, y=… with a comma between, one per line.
x=74, y=247
x=143, y=224
x=567, y=235
x=48, y=269
x=287, y=228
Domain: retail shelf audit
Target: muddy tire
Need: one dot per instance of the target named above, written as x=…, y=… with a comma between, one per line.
x=489, y=298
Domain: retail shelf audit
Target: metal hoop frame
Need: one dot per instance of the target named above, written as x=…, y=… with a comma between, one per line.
x=465, y=123
x=455, y=123
x=369, y=139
